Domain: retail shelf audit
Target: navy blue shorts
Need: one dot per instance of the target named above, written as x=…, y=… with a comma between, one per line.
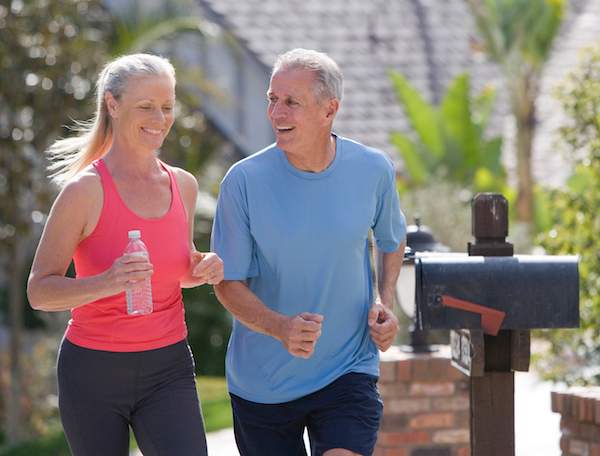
x=345, y=414
x=101, y=394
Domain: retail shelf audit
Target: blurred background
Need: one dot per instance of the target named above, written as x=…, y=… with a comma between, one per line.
x=465, y=96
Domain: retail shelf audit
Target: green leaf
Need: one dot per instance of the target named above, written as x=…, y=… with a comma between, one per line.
x=457, y=120
x=415, y=166
x=422, y=115
x=490, y=156
x=482, y=105
x=580, y=180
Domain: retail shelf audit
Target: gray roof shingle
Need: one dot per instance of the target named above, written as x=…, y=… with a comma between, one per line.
x=429, y=41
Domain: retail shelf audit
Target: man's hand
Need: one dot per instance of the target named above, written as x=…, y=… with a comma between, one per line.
x=384, y=326
x=299, y=334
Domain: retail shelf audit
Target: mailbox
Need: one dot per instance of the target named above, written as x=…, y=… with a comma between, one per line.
x=512, y=292
x=490, y=299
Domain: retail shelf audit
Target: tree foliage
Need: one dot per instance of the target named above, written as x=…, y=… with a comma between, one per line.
x=518, y=35
x=574, y=355
x=47, y=70
x=49, y=55
x=51, y=52
x=449, y=140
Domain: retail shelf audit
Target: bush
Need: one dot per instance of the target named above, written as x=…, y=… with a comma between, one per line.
x=573, y=356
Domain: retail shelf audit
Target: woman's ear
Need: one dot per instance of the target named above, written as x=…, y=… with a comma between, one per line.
x=111, y=104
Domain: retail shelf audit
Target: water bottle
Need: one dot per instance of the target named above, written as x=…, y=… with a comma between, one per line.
x=139, y=302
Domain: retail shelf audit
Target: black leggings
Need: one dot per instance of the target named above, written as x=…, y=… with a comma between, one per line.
x=102, y=393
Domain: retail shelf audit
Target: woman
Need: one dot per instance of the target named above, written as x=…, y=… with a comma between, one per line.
x=117, y=370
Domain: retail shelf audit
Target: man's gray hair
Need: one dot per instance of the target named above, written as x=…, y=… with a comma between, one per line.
x=328, y=83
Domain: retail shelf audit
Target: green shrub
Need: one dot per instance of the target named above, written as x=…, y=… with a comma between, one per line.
x=573, y=356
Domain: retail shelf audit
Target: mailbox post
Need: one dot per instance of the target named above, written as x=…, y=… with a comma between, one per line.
x=490, y=299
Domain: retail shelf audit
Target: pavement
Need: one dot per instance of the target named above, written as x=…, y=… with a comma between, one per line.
x=221, y=443
x=537, y=428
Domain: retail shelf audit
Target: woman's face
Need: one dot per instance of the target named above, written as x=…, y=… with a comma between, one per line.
x=145, y=113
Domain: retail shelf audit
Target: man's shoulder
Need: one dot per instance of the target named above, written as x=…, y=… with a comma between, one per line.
x=365, y=154
x=257, y=162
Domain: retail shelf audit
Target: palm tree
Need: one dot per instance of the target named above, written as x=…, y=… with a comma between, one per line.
x=518, y=34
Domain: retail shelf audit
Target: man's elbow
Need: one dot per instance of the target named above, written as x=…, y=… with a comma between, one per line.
x=227, y=288
x=221, y=289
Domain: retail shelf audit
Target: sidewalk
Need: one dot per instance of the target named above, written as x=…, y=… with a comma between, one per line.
x=537, y=429
x=221, y=443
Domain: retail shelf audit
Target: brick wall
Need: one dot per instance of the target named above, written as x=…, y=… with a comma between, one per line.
x=580, y=420
x=426, y=406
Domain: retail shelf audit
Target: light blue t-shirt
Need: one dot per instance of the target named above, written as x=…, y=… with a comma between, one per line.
x=300, y=239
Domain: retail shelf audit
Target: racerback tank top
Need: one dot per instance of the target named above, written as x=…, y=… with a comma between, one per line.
x=105, y=324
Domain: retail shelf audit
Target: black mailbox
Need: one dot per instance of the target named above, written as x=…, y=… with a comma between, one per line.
x=490, y=299
x=518, y=292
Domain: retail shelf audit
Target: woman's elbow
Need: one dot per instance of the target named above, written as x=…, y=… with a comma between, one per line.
x=34, y=294
x=34, y=301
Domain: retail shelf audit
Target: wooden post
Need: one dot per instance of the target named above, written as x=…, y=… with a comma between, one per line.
x=492, y=395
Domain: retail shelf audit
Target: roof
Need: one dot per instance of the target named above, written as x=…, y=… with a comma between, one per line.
x=583, y=30
x=429, y=41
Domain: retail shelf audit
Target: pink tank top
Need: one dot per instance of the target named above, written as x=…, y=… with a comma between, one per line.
x=105, y=324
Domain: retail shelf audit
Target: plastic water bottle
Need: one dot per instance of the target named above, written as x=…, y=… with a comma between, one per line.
x=139, y=302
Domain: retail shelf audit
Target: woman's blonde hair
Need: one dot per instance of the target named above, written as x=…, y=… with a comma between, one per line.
x=71, y=155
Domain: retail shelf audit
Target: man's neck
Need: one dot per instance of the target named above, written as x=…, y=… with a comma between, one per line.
x=317, y=160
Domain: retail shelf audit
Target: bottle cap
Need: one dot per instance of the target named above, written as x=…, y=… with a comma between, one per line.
x=135, y=234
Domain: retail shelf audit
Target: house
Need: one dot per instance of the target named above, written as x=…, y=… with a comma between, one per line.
x=429, y=41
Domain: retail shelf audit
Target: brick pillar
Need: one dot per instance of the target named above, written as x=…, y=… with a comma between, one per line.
x=426, y=405
x=580, y=420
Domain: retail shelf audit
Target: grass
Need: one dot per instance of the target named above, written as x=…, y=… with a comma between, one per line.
x=52, y=444
x=215, y=407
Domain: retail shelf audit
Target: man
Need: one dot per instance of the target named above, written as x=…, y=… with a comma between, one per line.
x=292, y=228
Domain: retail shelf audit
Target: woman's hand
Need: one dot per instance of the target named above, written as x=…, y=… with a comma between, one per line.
x=207, y=266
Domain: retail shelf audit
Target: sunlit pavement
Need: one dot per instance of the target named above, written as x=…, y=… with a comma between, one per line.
x=537, y=429
x=221, y=443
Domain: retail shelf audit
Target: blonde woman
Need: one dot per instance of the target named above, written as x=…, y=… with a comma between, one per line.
x=117, y=370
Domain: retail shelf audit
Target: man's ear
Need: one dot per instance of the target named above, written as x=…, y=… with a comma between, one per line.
x=332, y=108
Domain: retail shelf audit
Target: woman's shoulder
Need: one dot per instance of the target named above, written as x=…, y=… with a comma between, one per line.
x=185, y=179
x=187, y=184
x=80, y=202
x=86, y=183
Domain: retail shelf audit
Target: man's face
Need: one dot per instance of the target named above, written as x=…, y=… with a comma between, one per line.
x=298, y=120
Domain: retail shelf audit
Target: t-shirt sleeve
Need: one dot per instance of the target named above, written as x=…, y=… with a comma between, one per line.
x=390, y=224
x=231, y=237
